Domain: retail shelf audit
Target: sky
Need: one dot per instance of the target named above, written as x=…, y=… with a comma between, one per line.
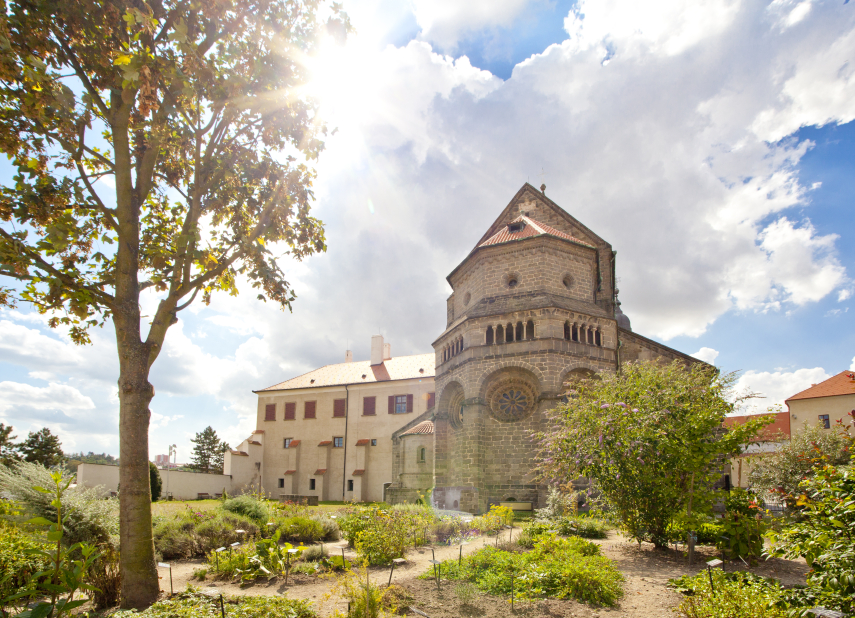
x=711, y=144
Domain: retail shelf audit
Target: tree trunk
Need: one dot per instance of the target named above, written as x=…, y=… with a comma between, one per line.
x=140, y=587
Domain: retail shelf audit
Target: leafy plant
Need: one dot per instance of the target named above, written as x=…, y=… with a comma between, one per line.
x=18, y=562
x=248, y=506
x=64, y=576
x=194, y=604
x=742, y=526
x=733, y=594
x=365, y=600
x=651, y=438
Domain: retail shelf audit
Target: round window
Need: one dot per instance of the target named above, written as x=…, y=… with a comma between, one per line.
x=512, y=282
x=567, y=281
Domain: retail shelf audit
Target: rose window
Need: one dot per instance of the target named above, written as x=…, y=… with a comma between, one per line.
x=512, y=403
x=511, y=400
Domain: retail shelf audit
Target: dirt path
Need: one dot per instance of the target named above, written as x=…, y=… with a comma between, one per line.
x=646, y=570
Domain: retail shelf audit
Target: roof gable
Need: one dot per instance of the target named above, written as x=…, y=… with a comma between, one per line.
x=533, y=203
x=841, y=384
x=525, y=227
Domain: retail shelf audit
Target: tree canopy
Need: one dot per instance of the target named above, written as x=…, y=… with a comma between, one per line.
x=8, y=454
x=650, y=437
x=160, y=147
x=42, y=447
x=208, y=451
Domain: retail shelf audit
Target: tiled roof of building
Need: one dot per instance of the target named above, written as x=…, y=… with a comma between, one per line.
x=290, y=472
x=324, y=442
x=294, y=444
x=780, y=425
x=320, y=471
x=425, y=427
x=525, y=227
x=362, y=372
x=359, y=472
x=841, y=384
x=363, y=442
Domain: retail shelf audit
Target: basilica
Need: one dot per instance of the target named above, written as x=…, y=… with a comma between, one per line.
x=534, y=306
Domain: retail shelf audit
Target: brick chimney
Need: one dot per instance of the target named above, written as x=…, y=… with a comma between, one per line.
x=348, y=356
x=387, y=351
x=377, y=349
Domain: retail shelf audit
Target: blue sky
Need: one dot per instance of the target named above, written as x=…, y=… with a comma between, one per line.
x=712, y=144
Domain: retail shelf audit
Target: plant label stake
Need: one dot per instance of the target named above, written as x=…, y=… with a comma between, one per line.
x=512, y=591
x=222, y=607
x=167, y=566
x=343, y=564
x=437, y=571
x=217, y=555
x=395, y=561
x=713, y=563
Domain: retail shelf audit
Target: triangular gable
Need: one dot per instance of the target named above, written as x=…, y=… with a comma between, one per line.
x=561, y=220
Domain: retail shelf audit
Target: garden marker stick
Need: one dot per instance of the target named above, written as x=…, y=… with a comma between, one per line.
x=222, y=607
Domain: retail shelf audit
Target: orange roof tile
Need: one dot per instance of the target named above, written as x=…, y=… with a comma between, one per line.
x=254, y=442
x=529, y=228
x=241, y=453
x=294, y=444
x=841, y=384
x=425, y=427
x=397, y=368
x=363, y=442
x=359, y=472
x=258, y=431
x=781, y=424
x=290, y=472
x=320, y=471
x=324, y=442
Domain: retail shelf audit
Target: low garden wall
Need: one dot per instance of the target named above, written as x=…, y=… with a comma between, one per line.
x=182, y=485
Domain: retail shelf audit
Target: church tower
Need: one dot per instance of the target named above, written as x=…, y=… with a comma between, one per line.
x=533, y=305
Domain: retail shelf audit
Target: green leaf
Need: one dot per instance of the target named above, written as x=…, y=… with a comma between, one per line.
x=40, y=521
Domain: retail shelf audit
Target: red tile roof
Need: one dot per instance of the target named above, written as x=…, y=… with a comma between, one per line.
x=359, y=472
x=529, y=229
x=258, y=431
x=425, y=427
x=324, y=442
x=290, y=472
x=294, y=443
x=841, y=384
x=363, y=442
x=781, y=424
x=241, y=453
x=320, y=471
x=254, y=442
x=397, y=368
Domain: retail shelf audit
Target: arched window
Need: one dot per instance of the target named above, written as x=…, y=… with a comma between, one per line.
x=575, y=336
x=509, y=332
x=597, y=338
x=567, y=331
x=490, y=338
x=519, y=336
x=422, y=454
x=500, y=334
x=589, y=335
x=529, y=330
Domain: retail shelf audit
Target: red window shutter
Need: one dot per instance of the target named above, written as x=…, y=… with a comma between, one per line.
x=409, y=403
x=338, y=408
x=290, y=411
x=369, y=406
x=431, y=400
x=391, y=404
x=270, y=412
x=310, y=409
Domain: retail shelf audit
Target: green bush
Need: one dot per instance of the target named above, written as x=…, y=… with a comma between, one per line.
x=301, y=530
x=220, y=530
x=709, y=533
x=556, y=568
x=248, y=506
x=742, y=527
x=735, y=594
x=194, y=604
x=192, y=533
x=17, y=565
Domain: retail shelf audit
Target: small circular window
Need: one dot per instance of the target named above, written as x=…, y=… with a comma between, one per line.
x=467, y=298
x=567, y=281
x=513, y=282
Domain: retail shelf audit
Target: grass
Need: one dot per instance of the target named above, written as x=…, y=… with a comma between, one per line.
x=172, y=507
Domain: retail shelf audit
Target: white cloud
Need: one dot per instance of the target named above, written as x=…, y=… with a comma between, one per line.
x=708, y=355
x=844, y=294
x=775, y=387
x=444, y=22
x=52, y=397
x=852, y=365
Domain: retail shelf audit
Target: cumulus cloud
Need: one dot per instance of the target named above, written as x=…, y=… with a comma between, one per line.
x=773, y=388
x=708, y=355
x=444, y=22
x=53, y=396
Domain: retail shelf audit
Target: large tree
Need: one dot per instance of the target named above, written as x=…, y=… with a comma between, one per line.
x=8, y=448
x=208, y=451
x=651, y=438
x=42, y=447
x=195, y=113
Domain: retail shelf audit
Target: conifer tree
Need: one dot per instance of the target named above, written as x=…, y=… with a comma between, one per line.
x=7, y=445
x=42, y=447
x=208, y=451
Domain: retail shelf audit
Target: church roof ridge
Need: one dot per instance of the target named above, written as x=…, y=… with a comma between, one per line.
x=425, y=427
x=362, y=372
x=531, y=229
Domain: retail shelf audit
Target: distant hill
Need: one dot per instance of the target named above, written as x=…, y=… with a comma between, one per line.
x=72, y=460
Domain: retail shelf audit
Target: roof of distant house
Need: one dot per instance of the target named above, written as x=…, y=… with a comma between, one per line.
x=780, y=425
x=425, y=427
x=526, y=227
x=841, y=384
x=362, y=372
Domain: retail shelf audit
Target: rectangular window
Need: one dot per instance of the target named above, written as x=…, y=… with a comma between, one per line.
x=373, y=441
x=431, y=400
x=349, y=484
x=422, y=454
x=369, y=406
x=338, y=442
x=338, y=408
x=287, y=443
x=309, y=410
x=290, y=411
x=400, y=404
x=270, y=412
x=312, y=484
x=281, y=483
x=824, y=421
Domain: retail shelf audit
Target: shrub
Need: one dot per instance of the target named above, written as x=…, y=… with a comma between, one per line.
x=301, y=529
x=313, y=553
x=364, y=599
x=91, y=518
x=558, y=568
x=330, y=527
x=585, y=527
x=736, y=594
x=105, y=578
x=17, y=565
x=194, y=604
x=742, y=526
x=190, y=533
x=220, y=530
x=248, y=506
x=174, y=538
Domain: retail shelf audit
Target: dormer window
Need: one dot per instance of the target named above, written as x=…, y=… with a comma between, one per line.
x=516, y=226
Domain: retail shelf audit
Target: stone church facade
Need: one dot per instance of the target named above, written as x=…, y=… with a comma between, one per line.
x=534, y=306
